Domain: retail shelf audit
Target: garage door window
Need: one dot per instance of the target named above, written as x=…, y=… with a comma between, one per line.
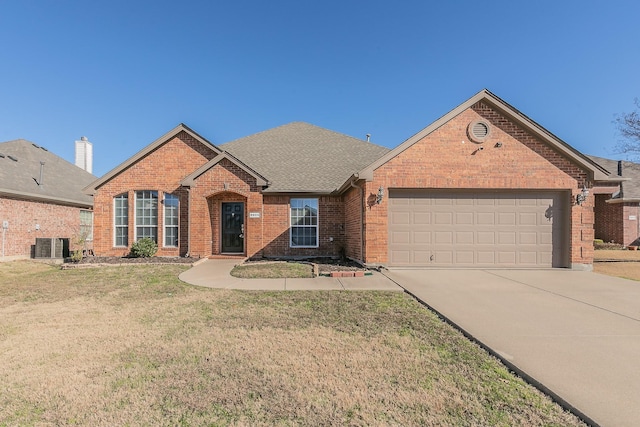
x=304, y=223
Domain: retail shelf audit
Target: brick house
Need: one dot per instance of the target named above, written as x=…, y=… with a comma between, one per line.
x=617, y=204
x=41, y=197
x=483, y=186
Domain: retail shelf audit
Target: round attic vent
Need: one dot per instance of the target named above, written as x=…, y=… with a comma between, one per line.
x=479, y=131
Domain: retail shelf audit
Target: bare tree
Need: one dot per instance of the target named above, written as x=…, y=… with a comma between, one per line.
x=629, y=128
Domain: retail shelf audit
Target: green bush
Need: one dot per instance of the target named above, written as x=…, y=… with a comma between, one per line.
x=144, y=248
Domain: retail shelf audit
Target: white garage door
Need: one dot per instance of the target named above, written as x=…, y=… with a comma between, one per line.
x=442, y=228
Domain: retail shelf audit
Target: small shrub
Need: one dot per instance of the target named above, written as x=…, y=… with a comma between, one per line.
x=144, y=248
x=76, y=256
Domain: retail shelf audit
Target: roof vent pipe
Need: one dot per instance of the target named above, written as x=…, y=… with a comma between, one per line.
x=368, y=137
x=41, y=173
x=619, y=167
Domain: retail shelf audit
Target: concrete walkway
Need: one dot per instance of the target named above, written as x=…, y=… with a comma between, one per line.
x=214, y=273
x=575, y=333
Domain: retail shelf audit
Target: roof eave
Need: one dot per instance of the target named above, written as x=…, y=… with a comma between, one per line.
x=41, y=198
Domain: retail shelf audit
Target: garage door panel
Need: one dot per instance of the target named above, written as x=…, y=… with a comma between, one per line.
x=464, y=218
x=485, y=257
x=443, y=218
x=464, y=257
x=486, y=218
x=421, y=218
x=400, y=218
x=528, y=218
x=401, y=237
x=421, y=237
x=464, y=237
x=421, y=257
x=443, y=237
x=486, y=237
x=501, y=229
x=506, y=218
x=527, y=238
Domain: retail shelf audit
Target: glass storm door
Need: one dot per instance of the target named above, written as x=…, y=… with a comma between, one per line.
x=233, y=227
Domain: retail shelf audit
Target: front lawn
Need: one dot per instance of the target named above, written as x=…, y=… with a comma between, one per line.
x=619, y=263
x=273, y=270
x=132, y=345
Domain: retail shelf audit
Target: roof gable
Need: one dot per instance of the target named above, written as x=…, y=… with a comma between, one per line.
x=38, y=174
x=299, y=157
x=192, y=178
x=145, y=151
x=595, y=172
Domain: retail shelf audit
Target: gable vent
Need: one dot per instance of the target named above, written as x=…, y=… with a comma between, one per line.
x=479, y=131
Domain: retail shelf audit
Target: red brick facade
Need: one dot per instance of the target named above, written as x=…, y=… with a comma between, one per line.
x=445, y=159
x=266, y=219
x=350, y=223
x=161, y=171
x=616, y=222
x=29, y=220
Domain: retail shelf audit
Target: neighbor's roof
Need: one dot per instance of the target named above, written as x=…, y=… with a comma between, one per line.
x=62, y=182
x=302, y=158
x=629, y=187
x=595, y=171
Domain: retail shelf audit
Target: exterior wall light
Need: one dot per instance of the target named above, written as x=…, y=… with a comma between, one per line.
x=580, y=198
x=380, y=195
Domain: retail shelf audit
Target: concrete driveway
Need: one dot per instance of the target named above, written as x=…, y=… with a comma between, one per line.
x=575, y=333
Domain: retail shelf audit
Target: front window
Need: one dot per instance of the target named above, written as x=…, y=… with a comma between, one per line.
x=121, y=220
x=147, y=215
x=86, y=225
x=304, y=223
x=171, y=220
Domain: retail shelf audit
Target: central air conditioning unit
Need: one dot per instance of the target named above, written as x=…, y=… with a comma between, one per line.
x=51, y=248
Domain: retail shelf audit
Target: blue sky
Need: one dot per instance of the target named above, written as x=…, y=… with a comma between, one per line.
x=123, y=73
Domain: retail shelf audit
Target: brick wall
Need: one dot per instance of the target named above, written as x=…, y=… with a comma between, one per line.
x=446, y=159
x=161, y=170
x=57, y=221
x=353, y=218
x=608, y=220
x=224, y=182
x=276, y=227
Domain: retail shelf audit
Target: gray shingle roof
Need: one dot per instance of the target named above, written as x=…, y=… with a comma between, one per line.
x=630, y=189
x=62, y=182
x=300, y=157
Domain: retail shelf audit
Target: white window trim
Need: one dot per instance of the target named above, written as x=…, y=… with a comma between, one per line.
x=116, y=226
x=89, y=237
x=317, y=226
x=164, y=222
x=135, y=215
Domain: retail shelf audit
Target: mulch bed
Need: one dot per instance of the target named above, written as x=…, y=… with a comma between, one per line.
x=127, y=260
x=325, y=265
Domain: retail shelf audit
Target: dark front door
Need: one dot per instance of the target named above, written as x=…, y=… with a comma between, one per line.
x=233, y=227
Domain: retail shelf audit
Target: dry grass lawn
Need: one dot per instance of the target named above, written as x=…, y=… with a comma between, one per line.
x=132, y=345
x=273, y=270
x=625, y=264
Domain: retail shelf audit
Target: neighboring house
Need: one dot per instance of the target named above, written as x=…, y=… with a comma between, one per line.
x=617, y=205
x=40, y=197
x=483, y=186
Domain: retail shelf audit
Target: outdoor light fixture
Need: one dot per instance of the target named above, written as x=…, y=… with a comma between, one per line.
x=380, y=195
x=580, y=198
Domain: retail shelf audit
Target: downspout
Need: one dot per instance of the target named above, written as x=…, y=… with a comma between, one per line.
x=361, y=220
x=188, y=222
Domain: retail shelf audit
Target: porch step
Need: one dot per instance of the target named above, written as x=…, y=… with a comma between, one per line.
x=238, y=257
